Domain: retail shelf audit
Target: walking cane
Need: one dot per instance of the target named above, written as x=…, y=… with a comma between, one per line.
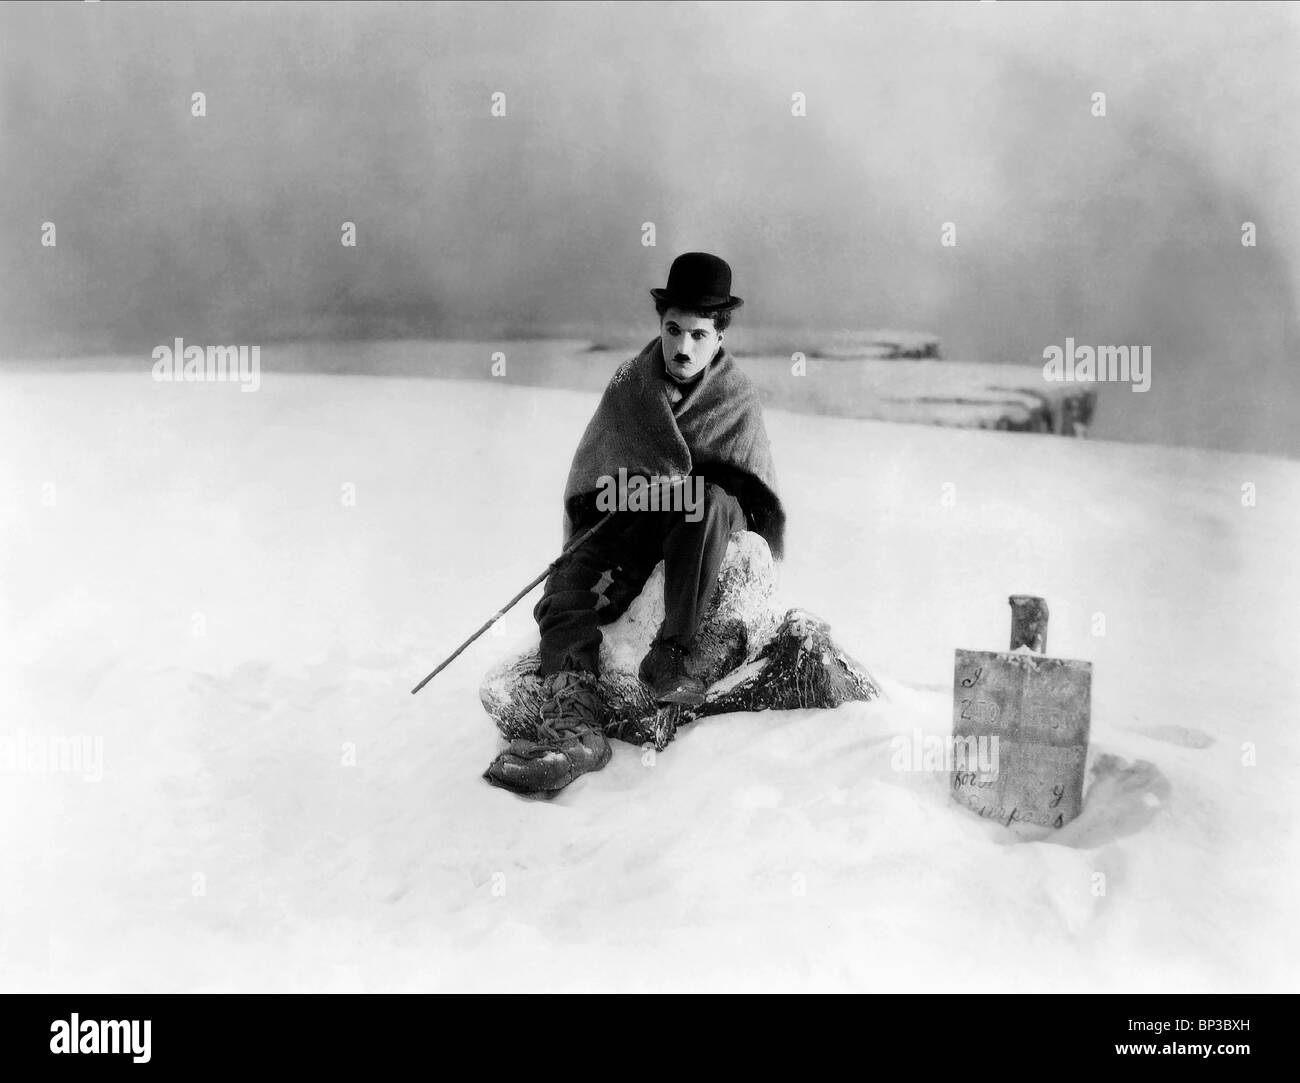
x=505, y=608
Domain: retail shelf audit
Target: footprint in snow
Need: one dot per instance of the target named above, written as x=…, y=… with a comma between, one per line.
x=1122, y=799
x=1176, y=735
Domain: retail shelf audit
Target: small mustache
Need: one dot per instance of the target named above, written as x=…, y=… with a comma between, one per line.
x=682, y=358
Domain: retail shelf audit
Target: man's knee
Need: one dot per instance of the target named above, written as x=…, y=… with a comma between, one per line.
x=721, y=509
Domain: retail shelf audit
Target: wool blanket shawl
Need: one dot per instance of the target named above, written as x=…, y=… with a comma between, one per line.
x=716, y=431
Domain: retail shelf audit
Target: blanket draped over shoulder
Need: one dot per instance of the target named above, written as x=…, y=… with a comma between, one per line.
x=716, y=432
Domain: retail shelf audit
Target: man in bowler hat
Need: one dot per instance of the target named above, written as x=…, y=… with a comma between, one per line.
x=681, y=408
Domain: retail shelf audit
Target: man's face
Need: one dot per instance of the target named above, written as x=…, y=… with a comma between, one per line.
x=690, y=343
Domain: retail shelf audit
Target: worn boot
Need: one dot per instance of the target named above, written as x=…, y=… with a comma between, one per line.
x=663, y=670
x=570, y=740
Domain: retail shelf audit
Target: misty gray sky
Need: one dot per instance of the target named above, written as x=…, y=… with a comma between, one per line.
x=1117, y=230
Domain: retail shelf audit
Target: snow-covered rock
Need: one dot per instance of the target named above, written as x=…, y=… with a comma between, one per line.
x=798, y=666
x=749, y=657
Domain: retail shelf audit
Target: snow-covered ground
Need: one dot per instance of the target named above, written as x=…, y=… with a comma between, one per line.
x=235, y=592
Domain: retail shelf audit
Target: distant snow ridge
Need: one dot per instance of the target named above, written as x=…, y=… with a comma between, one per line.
x=879, y=345
x=893, y=376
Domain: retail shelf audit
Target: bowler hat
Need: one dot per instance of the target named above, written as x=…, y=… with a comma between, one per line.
x=699, y=281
